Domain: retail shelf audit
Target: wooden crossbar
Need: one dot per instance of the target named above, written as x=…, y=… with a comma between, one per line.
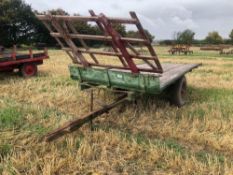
x=62, y=28
x=86, y=18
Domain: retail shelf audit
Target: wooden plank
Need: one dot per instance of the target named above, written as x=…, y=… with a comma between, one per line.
x=65, y=30
x=166, y=66
x=148, y=44
x=92, y=13
x=82, y=41
x=86, y=18
x=137, y=55
x=173, y=74
x=60, y=43
x=98, y=37
x=118, y=40
x=69, y=42
x=141, y=57
x=123, y=69
x=169, y=70
x=95, y=52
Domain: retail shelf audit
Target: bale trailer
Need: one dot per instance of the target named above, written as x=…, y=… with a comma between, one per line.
x=25, y=63
x=180, y=49
x=122, y=69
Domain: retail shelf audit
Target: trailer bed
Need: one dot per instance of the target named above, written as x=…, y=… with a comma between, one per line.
x=172, y=72
x=150, y=83
x=8, y=57
x=25, y=63
x=127, y=78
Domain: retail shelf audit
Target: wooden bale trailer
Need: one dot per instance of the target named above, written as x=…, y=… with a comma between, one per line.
x=226, y=52
x=134, y=74
x=180, y=49
x=26, y=63
x=222, y=49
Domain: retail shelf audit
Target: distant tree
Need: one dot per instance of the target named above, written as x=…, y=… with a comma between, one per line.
x=15, y=20
x=58, y=11
x=214, y=38
x=231, y=36
x=120, y=28
x=19, y=25
x=185, y=37
x=166, y=42
x=132, y=34
x=84, y=27
x=135, y=34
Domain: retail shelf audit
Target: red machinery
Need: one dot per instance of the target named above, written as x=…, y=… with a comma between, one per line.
x=26, y=63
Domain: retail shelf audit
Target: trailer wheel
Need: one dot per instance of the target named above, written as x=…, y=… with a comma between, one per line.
x=28, y=70
x=178, y=92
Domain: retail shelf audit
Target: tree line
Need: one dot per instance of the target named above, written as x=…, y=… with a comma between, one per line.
x=19, y=25
x=188, y=37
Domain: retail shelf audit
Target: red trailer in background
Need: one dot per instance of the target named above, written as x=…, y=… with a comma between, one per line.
x=25, y=63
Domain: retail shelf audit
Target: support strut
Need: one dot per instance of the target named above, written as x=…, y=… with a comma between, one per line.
x=77, y=123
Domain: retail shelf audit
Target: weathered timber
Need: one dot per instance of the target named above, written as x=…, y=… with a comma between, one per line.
x=63, y=30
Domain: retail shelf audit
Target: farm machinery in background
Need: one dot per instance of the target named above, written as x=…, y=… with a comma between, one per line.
x=121, y=69
x=25, y=63
x=227, y=52
x=180, y=49
x=222, y=49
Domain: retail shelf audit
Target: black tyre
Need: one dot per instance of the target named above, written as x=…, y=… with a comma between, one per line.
x=178, y=92
x=28, y=70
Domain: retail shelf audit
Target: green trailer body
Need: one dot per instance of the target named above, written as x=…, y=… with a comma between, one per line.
x=147, y=83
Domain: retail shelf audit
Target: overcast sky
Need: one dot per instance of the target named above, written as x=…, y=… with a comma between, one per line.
x=160, y=17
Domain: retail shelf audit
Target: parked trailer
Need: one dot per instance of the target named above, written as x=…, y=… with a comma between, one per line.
x=180, y=49
x=226, y=52
x=136, y=74
x=25, y=63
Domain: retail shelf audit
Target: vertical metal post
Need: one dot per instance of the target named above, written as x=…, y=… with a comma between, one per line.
x=30, y=53
x=14, y=52
x=91, y=107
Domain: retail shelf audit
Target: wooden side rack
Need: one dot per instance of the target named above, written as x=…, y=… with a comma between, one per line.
x=62, y=28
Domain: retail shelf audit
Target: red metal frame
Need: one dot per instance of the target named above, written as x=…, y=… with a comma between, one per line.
x=13, y=63
x=62, y=28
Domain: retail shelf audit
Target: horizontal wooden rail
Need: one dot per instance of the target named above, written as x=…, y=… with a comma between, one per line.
x=94, y=52
x=99, y=37
x=62, y=28
x=110, y=53
x=125, y=68
x=86, y=18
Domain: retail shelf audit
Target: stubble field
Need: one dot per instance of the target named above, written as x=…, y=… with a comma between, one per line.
x=150, y=137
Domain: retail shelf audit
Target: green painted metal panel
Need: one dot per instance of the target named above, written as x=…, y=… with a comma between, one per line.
x=116, y=79
x=90, y=75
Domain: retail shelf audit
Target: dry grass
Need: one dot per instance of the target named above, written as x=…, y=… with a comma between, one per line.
x=148, y=138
